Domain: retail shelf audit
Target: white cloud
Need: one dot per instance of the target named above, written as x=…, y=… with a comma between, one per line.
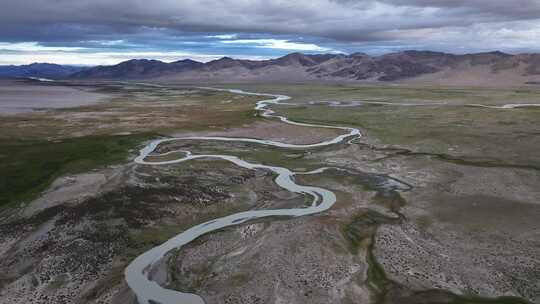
x=35, y=47
x=223, y=37
x=106, y=42
x=281, y=44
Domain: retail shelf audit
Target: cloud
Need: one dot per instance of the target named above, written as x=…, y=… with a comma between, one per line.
x=223, y=36
x=341, y=20
x=106, y=42
x=507, y=10
x=281, y=44
x=35, y=47
x=271, y=27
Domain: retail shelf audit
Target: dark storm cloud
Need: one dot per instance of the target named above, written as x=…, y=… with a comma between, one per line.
x=363, y=20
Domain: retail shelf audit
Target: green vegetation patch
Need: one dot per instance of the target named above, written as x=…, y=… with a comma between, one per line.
x=492, y=136
x=443, y=125
x=29, y=166
x=251, y=152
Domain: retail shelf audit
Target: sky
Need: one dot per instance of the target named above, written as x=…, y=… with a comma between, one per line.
x=101, y=32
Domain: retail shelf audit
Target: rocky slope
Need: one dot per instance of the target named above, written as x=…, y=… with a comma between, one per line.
x=493, y=67
x=139, y=68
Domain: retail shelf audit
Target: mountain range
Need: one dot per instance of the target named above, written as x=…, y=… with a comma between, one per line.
x=422, y=66
x=41, y=70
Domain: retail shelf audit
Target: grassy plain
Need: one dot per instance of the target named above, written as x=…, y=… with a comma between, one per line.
x=29, y=166
x=505, y=136
x=151, y=204
x=42, y=145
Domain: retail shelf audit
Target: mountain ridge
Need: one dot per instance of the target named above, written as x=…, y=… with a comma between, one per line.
x=355, y=67
x=39, y=69
x=409, y=65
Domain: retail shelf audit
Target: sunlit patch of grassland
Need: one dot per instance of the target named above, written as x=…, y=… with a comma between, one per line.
x=29, y=166
x=137, y=109
x=38, y=147
x=506, y=136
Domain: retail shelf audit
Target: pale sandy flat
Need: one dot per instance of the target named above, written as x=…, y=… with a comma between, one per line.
x=20, y=96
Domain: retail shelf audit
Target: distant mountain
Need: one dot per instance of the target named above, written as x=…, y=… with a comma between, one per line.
x=426, y=66
x=42, y=70
x=138, y=68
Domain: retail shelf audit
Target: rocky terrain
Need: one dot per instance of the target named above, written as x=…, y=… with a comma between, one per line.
x=75, y=249
x=421, y=67
x=357, y=67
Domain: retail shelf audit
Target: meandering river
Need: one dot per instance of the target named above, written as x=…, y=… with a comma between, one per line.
x=137, y=277
x=148, y=291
